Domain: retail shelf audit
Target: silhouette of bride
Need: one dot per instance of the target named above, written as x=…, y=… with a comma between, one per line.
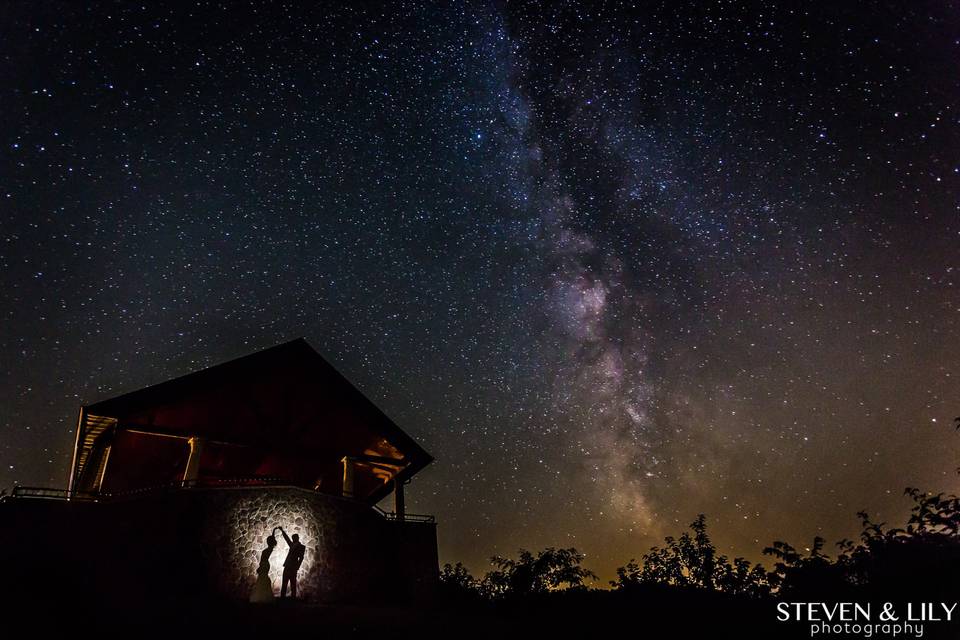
x=263, y=589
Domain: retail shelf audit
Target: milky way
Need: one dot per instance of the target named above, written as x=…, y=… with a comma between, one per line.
x=612, y=267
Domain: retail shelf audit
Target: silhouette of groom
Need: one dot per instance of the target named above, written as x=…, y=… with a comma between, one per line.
x=292, y=564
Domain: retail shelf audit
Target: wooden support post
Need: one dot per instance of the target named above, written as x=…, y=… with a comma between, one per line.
x=81, y=426
x=192, y=472
x=102, y=473
x=348, y=473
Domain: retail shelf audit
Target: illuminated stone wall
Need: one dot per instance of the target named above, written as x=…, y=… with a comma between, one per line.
x=242, y=536
x=200, y=542
x=352, y=553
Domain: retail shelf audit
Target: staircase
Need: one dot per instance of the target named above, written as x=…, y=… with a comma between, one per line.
x=92, y=454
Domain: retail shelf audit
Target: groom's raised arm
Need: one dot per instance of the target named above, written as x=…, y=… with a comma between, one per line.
x=285, y=536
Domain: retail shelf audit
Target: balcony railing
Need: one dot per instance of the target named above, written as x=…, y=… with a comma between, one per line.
x=407, y=517
x=46, y=493
x=107, y=496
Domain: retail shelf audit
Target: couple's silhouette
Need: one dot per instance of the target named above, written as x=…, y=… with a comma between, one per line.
x=263, y=589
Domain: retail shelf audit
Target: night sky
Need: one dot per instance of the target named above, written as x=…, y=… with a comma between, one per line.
x=611, y=266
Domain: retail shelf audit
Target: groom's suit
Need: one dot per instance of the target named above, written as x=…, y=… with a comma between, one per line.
x=291, y=565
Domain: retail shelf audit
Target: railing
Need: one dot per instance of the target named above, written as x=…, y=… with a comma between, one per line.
x=50, y=494
x=46, y=493
x=106, y=496
x=407, y=517
x=204, y=483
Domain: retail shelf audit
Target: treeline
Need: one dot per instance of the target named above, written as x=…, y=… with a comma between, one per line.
x=921, y=558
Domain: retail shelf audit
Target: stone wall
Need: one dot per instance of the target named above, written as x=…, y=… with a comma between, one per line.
x=352, y=553
x=208, y=541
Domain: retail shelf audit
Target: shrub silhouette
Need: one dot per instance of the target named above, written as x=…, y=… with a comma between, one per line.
x=693, y=561
x=795, y=573
x=538, y=592
x=457, y=585
x=916, y=560
x=549, y=570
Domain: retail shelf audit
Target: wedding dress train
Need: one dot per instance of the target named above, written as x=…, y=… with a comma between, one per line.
x=263, y=589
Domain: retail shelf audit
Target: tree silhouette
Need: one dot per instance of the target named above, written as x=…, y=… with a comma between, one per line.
x=457, y=584
x=918, y=558
x=693, y=561
x=913, y=560
x=550, y=570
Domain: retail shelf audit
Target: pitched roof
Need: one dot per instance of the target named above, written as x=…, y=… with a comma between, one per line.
x=286, y=402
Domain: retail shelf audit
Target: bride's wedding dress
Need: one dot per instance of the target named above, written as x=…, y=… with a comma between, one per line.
x=263, y=589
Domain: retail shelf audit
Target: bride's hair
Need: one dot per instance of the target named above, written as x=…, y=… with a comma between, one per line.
x=271, y=541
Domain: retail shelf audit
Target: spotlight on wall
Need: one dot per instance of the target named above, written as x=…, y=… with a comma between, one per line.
x=254, y=519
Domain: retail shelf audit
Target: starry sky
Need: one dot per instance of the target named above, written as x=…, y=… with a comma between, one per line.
x=612, y=266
